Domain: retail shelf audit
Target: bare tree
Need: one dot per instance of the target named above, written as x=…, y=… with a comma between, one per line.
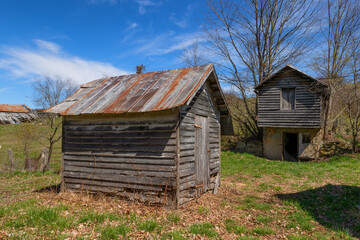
x=340, y=30
x=47, y=92
x=194, y=55
x=347, y=95
x=250, y=39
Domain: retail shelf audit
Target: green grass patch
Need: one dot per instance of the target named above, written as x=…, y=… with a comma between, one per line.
x=148, y=225
x=232, y=227
x=203, y=209
x=263, y=231
x=250, y=201
x=339, y=167
x=173, y=217
x=263, y=219
x=113, y=232
x=205, y=229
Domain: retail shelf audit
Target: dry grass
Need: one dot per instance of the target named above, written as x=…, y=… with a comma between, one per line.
x=251, y=204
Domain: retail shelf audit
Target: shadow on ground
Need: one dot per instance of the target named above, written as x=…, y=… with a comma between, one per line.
x=333, y=206
x=53, y=188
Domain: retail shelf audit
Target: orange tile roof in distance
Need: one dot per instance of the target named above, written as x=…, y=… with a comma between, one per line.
x=144, y=92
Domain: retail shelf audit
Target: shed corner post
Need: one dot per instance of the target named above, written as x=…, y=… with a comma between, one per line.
x=62, y=183
x=177, y=156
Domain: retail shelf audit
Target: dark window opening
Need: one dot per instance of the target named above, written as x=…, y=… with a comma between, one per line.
x=306, y=138
x=288, y=98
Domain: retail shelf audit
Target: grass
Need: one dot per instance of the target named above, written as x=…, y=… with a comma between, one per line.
x=257, y=199
x=338, y=168
x=148, y=225
x=205, y=229
x=232, y=227
x=10, y=138
x=114, y=232
x=174, y=218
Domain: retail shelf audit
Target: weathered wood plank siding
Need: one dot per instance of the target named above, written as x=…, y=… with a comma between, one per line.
x=202, y=104
x=307, y=112
x=130, y=155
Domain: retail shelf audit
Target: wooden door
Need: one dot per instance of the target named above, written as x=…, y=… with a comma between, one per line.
x=202, y=163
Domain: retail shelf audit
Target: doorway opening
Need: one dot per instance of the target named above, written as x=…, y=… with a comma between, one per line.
x=290, y=146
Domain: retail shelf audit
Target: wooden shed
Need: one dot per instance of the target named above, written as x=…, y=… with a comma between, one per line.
x=291, y=111
x=154, y=137
x=16, y=113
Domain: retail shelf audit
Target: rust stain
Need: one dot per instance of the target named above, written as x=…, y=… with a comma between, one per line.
x=172, y=87
x=145, y=92
x=14, y=108
x=197, y=85
x=72, y=106
x=177, y=95
x=111, y=107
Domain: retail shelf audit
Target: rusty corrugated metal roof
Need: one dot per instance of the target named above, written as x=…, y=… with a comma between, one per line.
x=17, y=108
x=145, y=92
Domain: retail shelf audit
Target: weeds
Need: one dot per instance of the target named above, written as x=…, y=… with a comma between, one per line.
x=113, y=232
x=173, y=217
x=148, y=226
x=206, y=229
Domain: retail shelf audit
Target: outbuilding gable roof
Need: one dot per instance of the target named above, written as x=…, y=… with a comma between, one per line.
x=16, y=108
x=146, y=92
x=291, y=68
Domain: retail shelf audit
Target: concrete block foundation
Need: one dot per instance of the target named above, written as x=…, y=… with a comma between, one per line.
x=292, y=144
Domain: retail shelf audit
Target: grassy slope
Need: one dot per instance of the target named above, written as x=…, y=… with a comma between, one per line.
x=257, y=199
x=9, y=140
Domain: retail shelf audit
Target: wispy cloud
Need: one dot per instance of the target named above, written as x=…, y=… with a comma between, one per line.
x=169, y=42
x=183, y=21
x=132, y=25
x=48, y=46
x=5, y=89
x=144, y=4
x=23, y=62
x=178, y=22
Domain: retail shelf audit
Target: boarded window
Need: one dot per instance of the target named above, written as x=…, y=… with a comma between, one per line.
x=288, y=98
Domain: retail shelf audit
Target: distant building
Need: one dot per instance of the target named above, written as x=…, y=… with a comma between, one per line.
x=291, y=110
x=154, y=136
x=15, y=114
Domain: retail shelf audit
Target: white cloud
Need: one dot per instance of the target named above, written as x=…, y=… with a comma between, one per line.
x=29, y=62
x=169, y=42
x=178, y=22
x=132, y=26
x=46, y=45
x=143, y=4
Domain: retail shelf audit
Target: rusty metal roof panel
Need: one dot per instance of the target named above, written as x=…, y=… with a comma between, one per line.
x=145, y=92
x=14, y=108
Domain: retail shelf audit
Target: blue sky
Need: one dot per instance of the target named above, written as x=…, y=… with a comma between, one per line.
x=90, y=39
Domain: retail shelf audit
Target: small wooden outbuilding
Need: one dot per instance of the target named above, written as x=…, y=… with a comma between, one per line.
x=291, y=110
x=154, y=137
x=16, y=113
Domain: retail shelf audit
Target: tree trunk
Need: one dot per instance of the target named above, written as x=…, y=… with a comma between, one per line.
x=44, y=159
x=11, y=160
